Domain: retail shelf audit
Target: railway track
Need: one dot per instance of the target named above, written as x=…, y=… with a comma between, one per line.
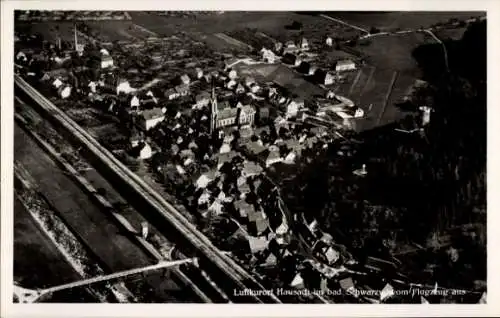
x=160, y=212
x=190, y=281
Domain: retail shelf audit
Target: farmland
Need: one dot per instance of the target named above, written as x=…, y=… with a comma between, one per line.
x=394, y=51
x=390, y=21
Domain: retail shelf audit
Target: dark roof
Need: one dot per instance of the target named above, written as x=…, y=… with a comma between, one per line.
x=152, y=113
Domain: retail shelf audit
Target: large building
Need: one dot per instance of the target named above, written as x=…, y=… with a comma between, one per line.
x=222, y=114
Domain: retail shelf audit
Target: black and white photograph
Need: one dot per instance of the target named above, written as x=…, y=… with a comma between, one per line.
x=248, y=157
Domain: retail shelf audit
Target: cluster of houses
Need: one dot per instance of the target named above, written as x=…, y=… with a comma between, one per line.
x=291, y=53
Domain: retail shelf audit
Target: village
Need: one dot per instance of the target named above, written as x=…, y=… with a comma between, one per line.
x=210, y=129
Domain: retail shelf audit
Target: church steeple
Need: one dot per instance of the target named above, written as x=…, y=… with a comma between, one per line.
x=214, y=110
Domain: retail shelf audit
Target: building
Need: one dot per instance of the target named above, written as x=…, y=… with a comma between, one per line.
x=198, y=72
x=106, y=61
x=184, y=79
x=182, y=90
x=64, y=91
x=247, y=115
x=146, y=152
x=291, y=59
x=290, y=47
x=344, y=65
x=150, y=118
x=323, y=77
x=257, y=244
x=240, y=89
x=124, y=87
x=135, y=102
x=329, y=41
x=233, y=74
x=268, y=56
x=293, y=107
x=257, y=223
x=202, y=99
x=171, y=94
x=304, y=44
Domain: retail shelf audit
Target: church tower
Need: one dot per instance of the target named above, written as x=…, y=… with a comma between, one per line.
x=214, y=110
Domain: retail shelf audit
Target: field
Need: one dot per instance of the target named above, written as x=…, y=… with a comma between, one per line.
x=394, y=51
x=450, y=34
x=388, y=21
x=272, y=24
x=377, y=92
x=118, y=30
x=282, y=76
x=50, y=30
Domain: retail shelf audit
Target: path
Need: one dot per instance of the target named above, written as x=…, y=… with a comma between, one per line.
x=344, y=23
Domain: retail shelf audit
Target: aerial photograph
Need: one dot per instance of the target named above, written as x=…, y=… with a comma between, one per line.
x=313, y=157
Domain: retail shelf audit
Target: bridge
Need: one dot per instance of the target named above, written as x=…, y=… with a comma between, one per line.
x=30, y=296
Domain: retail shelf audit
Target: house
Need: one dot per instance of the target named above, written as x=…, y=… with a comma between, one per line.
x=271, y=260
x=255, y=147
x=202, y=99
x=282, y=229
x=263, y=112
x=184, y=80
x=304, y=44
x=291, y=59
x=20, y=56
x=250, y=169
x=171, y=94
x=257, y=222
x=57, y=83
x=216, y=207
x=278, y=47
x=93, y=85
x=344, y=65
x=273, y=157
x=151, y=117
x=146, y=152
x=323, y=77
x=135, y=102
x=247, y=115
x=203, y=181
x=290, y=47
x=64, y=91
x=257, y=244
x=226, y=115
x=255, y=88
x=268, y=56
x=297, y=282
x=293, y=107
x=233, y=74
x=182, y=90
x=198, y=73
x=243, y=187
x=329, y=41
x=249, y=81
x=231, y=84
x=106, y=61
x=244, y=209
x=347, y=284
x=240, y=89
x=124, y=87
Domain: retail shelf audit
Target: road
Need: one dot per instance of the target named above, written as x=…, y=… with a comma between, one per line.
x=107, y=241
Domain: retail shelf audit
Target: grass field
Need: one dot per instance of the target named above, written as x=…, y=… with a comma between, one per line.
x=377, y=92
x=394, y=51
x=386, y=21
x=117, y=30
